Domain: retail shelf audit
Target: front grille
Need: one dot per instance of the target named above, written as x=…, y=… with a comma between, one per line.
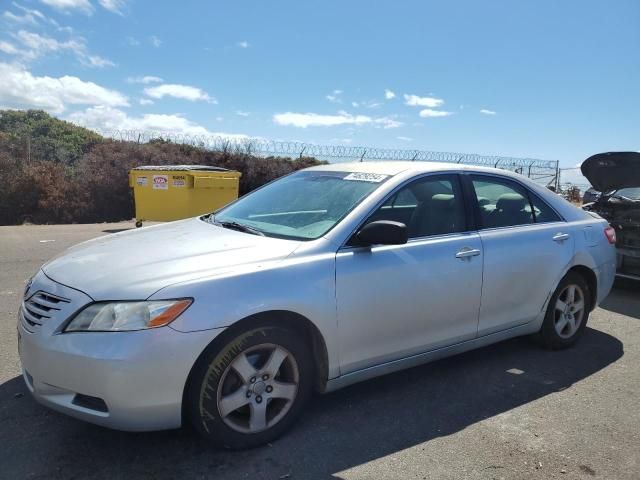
x=40, y=307
x=630, y=239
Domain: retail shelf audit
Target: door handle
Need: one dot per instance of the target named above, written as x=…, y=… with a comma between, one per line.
x=467, y=252
x=560, y=237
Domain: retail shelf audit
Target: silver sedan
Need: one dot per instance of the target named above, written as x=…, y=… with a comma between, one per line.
x=320, y=279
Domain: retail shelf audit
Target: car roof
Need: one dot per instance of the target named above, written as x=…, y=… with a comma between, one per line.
x=397, y=167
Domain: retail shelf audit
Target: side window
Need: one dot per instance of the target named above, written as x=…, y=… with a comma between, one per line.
x=429, y=206
x=502, y=203
x=543, y=212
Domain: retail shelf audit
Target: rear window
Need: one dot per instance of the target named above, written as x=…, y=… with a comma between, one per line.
x=504, y=203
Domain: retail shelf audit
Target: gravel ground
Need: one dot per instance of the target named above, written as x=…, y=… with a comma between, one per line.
x=511, y=410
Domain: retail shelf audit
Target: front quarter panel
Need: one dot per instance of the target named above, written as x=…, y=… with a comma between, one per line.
x=302, y=285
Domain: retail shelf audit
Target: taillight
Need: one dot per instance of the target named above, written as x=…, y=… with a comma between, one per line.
x=610, y=233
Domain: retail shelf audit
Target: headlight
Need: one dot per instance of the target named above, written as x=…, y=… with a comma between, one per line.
x=122, y=316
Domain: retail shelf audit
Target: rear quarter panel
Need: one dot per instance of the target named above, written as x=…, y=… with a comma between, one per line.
x=593, y=250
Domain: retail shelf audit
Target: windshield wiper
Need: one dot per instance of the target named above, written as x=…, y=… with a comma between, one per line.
x=236, y=226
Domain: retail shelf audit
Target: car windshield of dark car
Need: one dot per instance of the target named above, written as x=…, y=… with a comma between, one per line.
x=303, y=206
x=630, y=194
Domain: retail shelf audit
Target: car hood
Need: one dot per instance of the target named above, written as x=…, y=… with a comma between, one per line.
x=613, y=170
x=136, y=263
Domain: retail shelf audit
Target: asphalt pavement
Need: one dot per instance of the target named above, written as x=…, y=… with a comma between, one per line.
x=511, y=410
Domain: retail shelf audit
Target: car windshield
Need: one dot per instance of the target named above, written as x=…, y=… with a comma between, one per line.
x=302, y=206
x=628, y=193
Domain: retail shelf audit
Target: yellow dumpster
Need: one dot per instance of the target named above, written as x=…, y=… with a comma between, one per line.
x=172, y=192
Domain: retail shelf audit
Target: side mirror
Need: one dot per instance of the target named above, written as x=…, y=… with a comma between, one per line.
x=382, y=232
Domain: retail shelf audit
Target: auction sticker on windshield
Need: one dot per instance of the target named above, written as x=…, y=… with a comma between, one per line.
x=160, y=182
x=366, y=177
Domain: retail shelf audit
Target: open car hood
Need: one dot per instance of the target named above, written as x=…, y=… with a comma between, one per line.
x=613, y=170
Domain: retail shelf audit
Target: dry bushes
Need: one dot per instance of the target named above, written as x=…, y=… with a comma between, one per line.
x=95, y=188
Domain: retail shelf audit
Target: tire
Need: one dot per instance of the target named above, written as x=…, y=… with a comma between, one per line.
x=567, y=313
x=252, y=389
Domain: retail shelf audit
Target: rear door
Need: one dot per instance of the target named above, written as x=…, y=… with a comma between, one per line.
x=526, y=247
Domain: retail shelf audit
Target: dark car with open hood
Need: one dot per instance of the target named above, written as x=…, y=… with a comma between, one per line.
x=617, y=176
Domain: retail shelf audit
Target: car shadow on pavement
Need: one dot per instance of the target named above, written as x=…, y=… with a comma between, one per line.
x=338, y=431
x=116, y=230
x=624, y=299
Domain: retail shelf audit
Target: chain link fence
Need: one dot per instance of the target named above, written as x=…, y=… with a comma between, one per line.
x=543, y=171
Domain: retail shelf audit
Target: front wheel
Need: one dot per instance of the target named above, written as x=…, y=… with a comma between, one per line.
x=567, y=313
x=251, y=390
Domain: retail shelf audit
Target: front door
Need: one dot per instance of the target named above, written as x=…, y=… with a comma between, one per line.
x=395, y=301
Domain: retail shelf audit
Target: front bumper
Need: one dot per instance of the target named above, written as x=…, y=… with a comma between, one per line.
x=628, y=262
x=140, y=376
x=124, y=380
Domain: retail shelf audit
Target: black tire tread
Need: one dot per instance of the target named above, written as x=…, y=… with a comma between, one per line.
x=547, y=335
x=212, y=365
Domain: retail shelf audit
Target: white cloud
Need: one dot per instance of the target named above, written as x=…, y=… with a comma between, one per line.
x=487, y=112
x=99, y=62
x=108, y=118
x=243, y=44
x=145, y=101
x=155, y=41
x=9, y=48
x=355, y=104
x=388, y=122
x=29, y=15
x=334, y=97
x=405, y=139
x=115, y=6
x=184, y=92
x=82, y=5
x=416, y=101
x=37, y=45
x=242, y=114
x=19, y=88
x=304, y=120
x=429, y=113
x=134, y=42
x=40, y=44
x=59, y=27
x=145, y=80
x=26, y=18
x=389, y=94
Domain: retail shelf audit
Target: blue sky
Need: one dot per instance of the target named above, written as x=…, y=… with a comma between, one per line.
x=546, y=79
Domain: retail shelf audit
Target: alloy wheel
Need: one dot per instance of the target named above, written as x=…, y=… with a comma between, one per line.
x=569, y=311
x=258, y=388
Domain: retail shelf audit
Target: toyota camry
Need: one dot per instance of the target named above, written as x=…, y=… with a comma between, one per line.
x=328, y=276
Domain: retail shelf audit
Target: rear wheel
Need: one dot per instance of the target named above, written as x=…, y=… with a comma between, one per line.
x=567, y=313
x=251, y=390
